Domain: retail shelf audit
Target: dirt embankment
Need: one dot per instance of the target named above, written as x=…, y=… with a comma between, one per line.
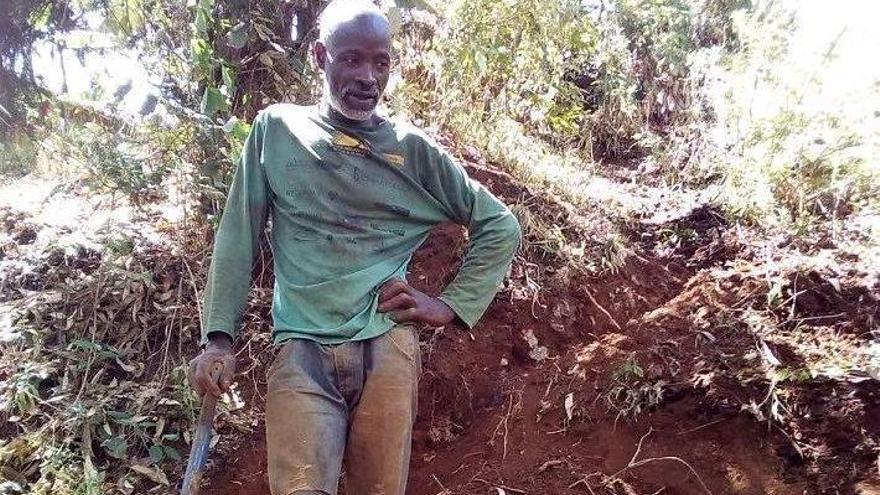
x=681, y=371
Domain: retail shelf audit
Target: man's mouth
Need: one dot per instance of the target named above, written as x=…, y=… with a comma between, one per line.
x=364, y=100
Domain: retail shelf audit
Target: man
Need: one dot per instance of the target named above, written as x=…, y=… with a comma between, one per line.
x=351, y=196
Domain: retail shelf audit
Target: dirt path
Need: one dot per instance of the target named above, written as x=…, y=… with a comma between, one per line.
x=501, y=415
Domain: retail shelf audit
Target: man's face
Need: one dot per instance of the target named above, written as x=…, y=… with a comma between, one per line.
x=356, y=66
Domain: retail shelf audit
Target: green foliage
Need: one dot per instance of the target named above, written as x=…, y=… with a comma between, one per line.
x=631, y=392
x=217, y=59
x=182, y=393
x=577, y=76
x=673, y=80
x=21, y=391
x=18, y=153
x=795, y=151
x=115, y=165
x=511, y=60
x=212, y=101
x=231, y=43
x=126, y=17
x=87, y=408
x=800, y=169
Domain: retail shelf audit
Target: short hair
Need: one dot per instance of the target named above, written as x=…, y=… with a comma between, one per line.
x=340, y=11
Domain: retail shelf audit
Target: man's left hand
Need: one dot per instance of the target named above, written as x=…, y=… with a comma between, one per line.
x=408, y=304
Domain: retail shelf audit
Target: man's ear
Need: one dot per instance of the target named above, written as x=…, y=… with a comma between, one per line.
x=319, y=52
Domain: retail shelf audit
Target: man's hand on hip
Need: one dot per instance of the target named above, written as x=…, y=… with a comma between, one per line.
x=218, y=351
x=408, y=304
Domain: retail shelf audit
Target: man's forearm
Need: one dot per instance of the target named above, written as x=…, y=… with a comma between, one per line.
x=494, y=243
x=237, y=241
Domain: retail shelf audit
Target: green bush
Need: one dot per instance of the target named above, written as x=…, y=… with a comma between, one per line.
x=794, y=149
x=593, y=79
x=509, y=59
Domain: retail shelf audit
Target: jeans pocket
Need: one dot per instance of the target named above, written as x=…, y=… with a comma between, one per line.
x=280, y=360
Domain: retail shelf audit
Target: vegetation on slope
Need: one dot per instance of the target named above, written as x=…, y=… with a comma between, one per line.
x=633, y=111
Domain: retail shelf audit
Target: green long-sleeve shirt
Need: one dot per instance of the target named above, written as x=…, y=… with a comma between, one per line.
x=349, y=206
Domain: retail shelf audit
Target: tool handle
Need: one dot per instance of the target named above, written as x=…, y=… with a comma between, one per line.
x=198, y=455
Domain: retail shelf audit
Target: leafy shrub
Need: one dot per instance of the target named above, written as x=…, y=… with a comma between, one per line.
x=509, y=59
x=631, y=393
x=593, y=78
x=794, y=149
x=18, y=153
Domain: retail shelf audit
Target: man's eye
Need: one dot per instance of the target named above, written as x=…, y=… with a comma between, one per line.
x=350, y=59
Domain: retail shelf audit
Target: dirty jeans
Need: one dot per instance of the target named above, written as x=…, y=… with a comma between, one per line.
x=350, y=405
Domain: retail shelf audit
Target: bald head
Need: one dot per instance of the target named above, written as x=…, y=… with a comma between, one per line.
x=344, y=15
x=354, y=53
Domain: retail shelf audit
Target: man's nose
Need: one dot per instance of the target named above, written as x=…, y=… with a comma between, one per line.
x=367, y=76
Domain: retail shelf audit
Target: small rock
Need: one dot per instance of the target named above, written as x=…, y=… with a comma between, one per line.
x=537, y=352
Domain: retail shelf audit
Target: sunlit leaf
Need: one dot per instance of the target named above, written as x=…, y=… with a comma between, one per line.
x=238, y=35
x=241, y=131
x=212, y=101
x=229, y=125
x=204, y=10
x=201, y=22
x=157, y=453
x=125, y=17
x=202, y=58
x=39, y=18
x=116, y=446
x=228, y=74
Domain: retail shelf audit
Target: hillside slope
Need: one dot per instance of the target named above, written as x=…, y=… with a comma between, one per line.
x=654, y=376
x=698, y=357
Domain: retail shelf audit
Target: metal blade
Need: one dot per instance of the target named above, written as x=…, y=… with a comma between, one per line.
x=198, y=455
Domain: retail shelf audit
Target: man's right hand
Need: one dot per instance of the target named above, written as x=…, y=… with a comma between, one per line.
x=218, y=351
